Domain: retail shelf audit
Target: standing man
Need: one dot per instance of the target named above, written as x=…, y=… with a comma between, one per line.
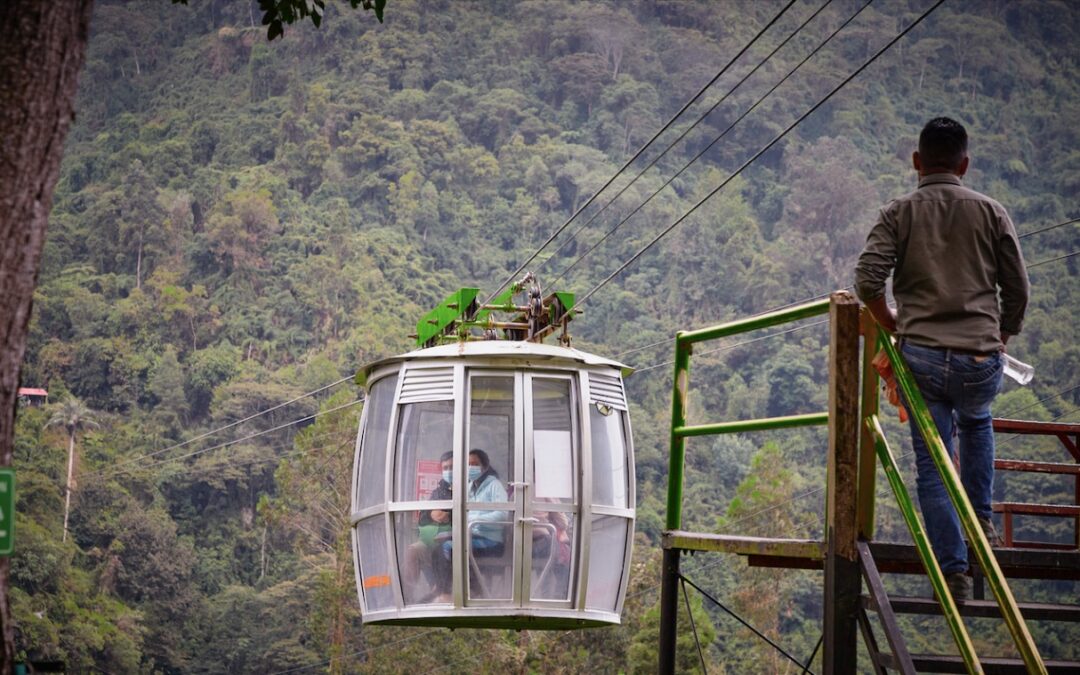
x=951, y=251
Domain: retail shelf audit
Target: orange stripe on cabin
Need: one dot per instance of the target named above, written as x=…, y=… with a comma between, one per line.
x=377, y=581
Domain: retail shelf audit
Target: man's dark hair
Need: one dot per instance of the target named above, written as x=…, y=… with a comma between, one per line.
x=943, y=144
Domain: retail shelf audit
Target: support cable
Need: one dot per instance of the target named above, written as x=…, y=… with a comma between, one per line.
x=810, y=660
x=667, y=341
x=819, y=296
x=756, y=632
x=710, y=145
x=738, y=344
x=681, y=136
x=1047, y=229
x=1043, y=400
x=693, y=625
x=849, y=287
x=701, y=92
x=229, y=425
x=112, y=471
x=761, y=152
x=1044, y=262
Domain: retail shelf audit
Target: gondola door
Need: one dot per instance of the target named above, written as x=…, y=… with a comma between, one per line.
x=551, y=490
x=522, y=499
x=493, y=502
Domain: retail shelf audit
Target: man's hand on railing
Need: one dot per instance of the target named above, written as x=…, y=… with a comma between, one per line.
x=884, y=368
x=883, y=314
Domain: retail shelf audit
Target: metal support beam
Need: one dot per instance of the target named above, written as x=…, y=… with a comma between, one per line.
x=842, y=580
x=669, y=584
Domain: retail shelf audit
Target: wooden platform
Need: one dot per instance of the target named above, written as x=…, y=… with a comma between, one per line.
x=1018, y=563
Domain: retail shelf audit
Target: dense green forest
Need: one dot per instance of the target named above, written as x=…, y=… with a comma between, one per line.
x=241, y=222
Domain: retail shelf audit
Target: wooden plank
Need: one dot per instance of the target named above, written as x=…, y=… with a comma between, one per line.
x=1036, y=467
x=1061, y=510
x=991, y=665
x=1016, y=563
x=1003, y=425
x=988, y=608
x=842, y=583
x=724, y=543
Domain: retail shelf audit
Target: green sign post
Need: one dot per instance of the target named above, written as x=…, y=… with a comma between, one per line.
x=7, y=511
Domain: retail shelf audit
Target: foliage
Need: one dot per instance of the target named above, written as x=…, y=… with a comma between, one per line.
x=239, y=223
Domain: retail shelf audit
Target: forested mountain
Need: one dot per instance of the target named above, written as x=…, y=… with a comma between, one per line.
x=241, y=222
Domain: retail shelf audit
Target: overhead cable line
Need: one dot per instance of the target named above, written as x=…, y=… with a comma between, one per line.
x=819, y=296
x=761, y=152
x=1043, y=400
x=116, y=470
x=668, y=341
x=717, y=139
x=1047, y=229
x=745, y=623
x=289, y=447
x=701, y=92
x=684, y=134
x=231, y=424
x=739, y=344
x=1060, y=257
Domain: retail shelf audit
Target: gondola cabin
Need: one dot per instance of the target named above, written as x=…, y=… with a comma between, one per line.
x=494, y=479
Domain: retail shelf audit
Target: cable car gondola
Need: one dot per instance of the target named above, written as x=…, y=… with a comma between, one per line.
x=493, y=484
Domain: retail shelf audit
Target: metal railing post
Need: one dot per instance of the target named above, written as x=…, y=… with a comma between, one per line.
x=842, y=580
x=669, y=584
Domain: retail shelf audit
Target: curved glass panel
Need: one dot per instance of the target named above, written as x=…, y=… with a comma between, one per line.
x=606, y=551
x=609, y=474
x=425, y=438
x=375, y=580
x=371, y=489
x=424, y=555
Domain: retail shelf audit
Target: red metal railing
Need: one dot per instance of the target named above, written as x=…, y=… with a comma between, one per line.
x=1069, y=435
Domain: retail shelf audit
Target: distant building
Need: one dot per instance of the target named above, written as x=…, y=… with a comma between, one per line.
x=33, y=397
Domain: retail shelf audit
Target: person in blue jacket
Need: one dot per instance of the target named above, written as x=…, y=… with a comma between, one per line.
x=485, y=486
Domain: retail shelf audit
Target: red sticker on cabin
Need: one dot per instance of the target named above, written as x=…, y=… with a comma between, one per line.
x=428, y=475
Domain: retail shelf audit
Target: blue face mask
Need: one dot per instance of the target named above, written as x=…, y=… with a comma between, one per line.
x=474, y=473
x=447, y=476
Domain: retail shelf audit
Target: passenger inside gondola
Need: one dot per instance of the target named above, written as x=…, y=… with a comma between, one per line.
x=487, y=529
x=433, y=529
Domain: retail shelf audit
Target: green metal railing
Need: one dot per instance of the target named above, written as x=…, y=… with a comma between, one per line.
x=922, y=545
x=920, y=414
x=684, y=345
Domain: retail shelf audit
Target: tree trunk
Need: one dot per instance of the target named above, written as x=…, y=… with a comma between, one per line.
x=68, y=487
x=40, y=57
x=138, y=262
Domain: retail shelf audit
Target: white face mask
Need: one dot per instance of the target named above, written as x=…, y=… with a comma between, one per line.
x=474, y=473
x=447, y=475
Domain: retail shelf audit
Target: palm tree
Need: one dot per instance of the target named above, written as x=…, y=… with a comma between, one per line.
x=73, y=415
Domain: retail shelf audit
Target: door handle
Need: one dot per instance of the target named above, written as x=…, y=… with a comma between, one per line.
x=518, y=484
x=530, y=520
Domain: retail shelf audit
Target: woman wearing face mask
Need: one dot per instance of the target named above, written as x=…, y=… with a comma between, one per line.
x=485, y=486
x=487, y=535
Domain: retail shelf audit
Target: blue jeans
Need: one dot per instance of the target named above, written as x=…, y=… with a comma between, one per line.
x=958, y=390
